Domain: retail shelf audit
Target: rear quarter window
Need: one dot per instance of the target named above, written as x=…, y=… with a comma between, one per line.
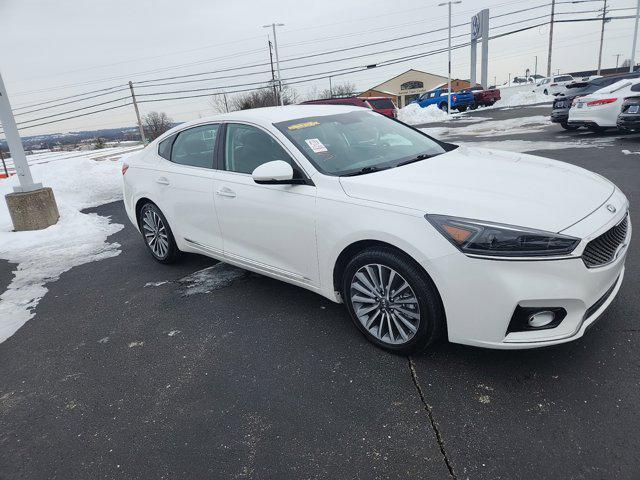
x=382, y=103
x=164, y=147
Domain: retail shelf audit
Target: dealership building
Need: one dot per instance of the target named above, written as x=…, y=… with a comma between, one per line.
x=408, y=86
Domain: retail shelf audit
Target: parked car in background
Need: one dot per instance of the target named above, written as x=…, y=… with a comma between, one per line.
x=418, y=237
x=554, y=85
x=562, y=102
x=588, y=78
x=459, y=100
x=599, y=110
x=629, y=118
x=484, y=98
x=382, y=105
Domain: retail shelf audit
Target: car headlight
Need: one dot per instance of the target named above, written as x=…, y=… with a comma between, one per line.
x=477, y=237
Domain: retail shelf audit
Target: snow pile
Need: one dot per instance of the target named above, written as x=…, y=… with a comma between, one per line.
x=522, y=98
x=414, y=114
x=78, y=238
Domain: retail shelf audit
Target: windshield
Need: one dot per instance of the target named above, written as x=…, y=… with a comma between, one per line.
x=352, y=142
x=614, y=87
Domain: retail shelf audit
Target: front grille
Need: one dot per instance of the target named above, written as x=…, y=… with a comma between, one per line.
x=602, y=250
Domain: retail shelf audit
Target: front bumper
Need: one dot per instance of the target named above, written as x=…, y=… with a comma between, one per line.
x=480, y=296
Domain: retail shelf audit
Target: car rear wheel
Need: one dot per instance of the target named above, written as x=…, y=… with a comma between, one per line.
x=566, y=126
x=157, y=234
x=473, y=106
x=546, y=92
x=392, y=301
x=462, y=109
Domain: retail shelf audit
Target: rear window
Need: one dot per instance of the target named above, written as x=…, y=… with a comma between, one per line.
x=564, y=78
x=381, y=103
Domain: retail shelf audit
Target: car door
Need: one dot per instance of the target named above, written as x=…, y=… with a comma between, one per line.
x=268, y=227
x=185, y=187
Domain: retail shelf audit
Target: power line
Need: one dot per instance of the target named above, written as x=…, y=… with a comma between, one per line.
x=110, y=89
x=74, y=110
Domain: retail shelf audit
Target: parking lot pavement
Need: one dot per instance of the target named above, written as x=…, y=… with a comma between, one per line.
x=131, y=369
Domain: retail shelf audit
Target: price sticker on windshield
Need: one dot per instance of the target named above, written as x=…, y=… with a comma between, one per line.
x=316, y=145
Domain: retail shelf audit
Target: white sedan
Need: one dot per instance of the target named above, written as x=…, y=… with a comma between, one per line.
x=599, y=110
x=554, y=85
x=417, y=237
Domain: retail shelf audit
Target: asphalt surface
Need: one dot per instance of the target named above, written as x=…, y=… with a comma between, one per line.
x=122, y=376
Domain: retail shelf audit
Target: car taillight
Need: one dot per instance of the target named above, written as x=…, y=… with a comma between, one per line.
x=455, y=98
x=125, y=167
x=604, y=101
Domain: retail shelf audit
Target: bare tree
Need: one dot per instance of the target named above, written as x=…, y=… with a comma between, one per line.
x=346, y=89
x=220, y=103
x=156, y=123
x=265, y=97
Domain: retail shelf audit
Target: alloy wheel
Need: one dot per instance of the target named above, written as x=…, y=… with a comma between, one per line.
x=385, y=304
x=155, y=233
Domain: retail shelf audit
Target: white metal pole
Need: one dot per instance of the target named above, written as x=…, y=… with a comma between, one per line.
x=604, y=19
x=635, y=39
x=15, y=144
x=275, y=46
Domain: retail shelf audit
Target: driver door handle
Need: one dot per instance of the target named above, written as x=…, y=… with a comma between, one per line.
x=226, y=192
x=162, y=181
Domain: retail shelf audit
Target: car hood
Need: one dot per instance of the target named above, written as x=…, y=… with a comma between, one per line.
x=491, y=185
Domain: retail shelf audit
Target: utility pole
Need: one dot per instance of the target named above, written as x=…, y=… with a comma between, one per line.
x=135, y=105
x=535, y=69
x=553, y=11
x=31, y=206
x=275, y=45
x=4, y=165
x=273, y=75
x=604, y=20
x=331, y=86
x=617, y=55
x=448, y=4
x=632, y=60
x=226, y=104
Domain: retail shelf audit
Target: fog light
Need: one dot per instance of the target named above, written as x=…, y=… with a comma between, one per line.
x=541, y=319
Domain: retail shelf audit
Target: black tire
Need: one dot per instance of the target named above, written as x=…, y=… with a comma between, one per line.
x=462, y=109
x=546, y=92
x=444, y=107
x=474, y=106
x=566, y=126
x=431, y=312
x=171, y=253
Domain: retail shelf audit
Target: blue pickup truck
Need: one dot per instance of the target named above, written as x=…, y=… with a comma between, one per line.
x=459, y=100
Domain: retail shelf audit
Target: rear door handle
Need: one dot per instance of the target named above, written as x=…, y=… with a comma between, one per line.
x=226, y=192
x=162, y=181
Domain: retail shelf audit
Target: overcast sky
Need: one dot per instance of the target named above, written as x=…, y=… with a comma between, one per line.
x=54, y=49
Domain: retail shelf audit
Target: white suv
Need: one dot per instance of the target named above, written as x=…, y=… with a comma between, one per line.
x=554, y=85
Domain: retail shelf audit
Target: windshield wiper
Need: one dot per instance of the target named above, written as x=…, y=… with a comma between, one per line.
x=363, y=171
x=417, y=158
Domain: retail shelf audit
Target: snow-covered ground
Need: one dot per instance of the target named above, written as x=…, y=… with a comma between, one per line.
x=82, y=180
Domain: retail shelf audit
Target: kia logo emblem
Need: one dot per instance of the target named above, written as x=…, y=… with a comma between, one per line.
x=611, y=208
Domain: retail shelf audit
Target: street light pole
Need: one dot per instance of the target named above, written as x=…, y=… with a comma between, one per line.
x=275, y=46
x=449, y=3
x=553, y=11
x=632, y=60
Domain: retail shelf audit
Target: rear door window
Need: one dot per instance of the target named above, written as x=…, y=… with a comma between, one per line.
x=195, y=147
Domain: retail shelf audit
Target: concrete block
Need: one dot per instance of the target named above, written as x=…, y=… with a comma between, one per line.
x=32, y=210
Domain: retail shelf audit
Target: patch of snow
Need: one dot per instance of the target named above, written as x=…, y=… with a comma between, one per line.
x=629, y=152
x=135, y=344
x=532, y=145
x=78, y=238
x=104, y=340
x=414, y=114
x=155, y=284
x=212, y=278
x=511, y=126
x=522, y=98
x=173, y=333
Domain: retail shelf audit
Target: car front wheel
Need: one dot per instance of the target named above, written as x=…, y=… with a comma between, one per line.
x=157, y=234
x=392, y=301
x=566, y=126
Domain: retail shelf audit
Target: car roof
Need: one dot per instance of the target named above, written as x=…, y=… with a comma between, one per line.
x=269, y=115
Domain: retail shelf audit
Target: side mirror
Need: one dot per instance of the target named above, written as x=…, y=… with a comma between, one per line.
x=274, y=172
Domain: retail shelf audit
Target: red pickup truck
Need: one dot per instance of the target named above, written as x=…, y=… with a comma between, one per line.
x=484, y=98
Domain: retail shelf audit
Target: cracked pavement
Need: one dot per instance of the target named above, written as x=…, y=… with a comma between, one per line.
x=122, y=374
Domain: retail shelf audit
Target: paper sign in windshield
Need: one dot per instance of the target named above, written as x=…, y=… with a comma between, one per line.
x=316, y=145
